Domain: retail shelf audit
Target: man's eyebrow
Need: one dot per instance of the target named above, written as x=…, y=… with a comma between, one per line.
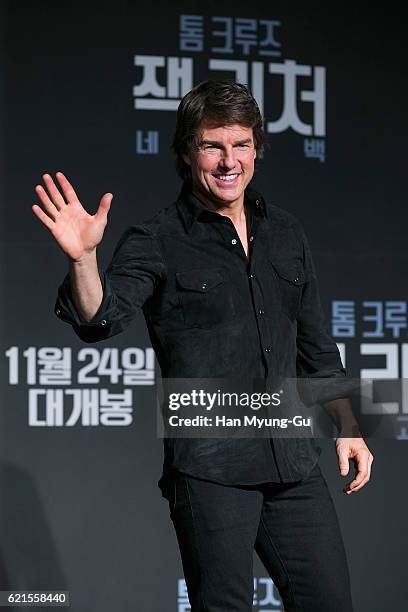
x=216, y=143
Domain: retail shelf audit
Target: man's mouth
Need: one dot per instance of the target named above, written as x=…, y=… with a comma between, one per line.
x=227, y=178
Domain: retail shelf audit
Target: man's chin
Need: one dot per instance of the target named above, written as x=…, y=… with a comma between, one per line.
x=219, y=195
x=228, y=195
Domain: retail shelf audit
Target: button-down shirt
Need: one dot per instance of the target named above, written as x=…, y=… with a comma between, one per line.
x=211, y=311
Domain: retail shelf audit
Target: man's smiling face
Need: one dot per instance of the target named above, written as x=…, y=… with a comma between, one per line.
x=222, y=164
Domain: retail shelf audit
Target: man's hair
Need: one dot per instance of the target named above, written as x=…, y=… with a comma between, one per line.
x=214, y=103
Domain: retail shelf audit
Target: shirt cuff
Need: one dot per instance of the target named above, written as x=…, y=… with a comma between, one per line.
x=96, y=328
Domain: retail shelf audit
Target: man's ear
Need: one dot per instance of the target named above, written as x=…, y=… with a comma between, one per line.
x=186, y=158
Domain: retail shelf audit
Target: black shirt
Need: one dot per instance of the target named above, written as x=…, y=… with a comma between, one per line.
x=213, y=312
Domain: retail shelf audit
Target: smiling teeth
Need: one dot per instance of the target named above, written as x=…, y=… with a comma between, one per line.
x=227, y=177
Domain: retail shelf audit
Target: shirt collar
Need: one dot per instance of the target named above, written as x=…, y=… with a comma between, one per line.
x=191, y=207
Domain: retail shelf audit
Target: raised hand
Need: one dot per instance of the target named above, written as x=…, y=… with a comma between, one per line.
x=77, y=232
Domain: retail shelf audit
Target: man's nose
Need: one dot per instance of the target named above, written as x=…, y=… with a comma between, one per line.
x=228, y=159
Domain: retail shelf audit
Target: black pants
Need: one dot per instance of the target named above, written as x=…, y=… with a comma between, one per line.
x=293, y=528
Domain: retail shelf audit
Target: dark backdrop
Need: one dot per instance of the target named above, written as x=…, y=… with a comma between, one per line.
x=80, y=508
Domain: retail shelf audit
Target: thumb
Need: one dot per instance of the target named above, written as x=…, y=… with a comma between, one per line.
x=343, y=462
x=104, y=205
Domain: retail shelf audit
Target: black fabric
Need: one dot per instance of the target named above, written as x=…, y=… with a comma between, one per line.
x=293, y=528
x=211, y=312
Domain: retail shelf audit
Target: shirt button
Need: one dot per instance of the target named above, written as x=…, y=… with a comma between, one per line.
x=257, y=202
x=267, y=350
x=204, y=286
x=233, y=241
x=296, y=280
x=261, y=311
x=58, y=312
x=251, y=276
x=251, y=238
x=104, y=322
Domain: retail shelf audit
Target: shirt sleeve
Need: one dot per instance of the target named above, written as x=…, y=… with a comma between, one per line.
x=133, y=275
x=317, y=352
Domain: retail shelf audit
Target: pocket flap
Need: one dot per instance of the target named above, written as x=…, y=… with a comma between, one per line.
x=199, y=280
x=291, y=271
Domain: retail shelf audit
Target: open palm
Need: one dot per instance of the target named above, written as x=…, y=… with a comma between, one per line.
x=76, y=231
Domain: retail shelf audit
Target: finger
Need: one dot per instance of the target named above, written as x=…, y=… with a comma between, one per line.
x=55, y=195
x=356, y=488
x=344, y=465
x=67, y=188
x=370, y=461
x=49, y=206
x=362, y=476
x=360, y=486
x=104, y=205
x=38, y=211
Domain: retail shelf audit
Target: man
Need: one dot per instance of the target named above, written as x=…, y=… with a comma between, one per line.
x=228, y=290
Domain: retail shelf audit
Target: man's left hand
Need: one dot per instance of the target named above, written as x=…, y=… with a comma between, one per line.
x=356, y=450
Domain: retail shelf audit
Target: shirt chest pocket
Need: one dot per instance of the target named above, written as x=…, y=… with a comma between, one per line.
x=205, y=297
x=290, y=279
